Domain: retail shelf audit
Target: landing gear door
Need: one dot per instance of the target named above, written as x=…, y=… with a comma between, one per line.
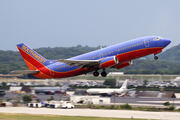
x=146, y=42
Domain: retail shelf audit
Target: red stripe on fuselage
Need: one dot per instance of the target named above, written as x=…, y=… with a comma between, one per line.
x=123, y=58
x=136, y=54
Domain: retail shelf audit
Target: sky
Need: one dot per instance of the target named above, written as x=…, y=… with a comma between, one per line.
x=66, y=23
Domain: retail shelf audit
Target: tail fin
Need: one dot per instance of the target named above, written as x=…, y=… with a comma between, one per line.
x=66, y=85
x=33, y=60
x=124, y=86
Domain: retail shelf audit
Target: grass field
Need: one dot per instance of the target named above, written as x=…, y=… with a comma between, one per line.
x=13, y=116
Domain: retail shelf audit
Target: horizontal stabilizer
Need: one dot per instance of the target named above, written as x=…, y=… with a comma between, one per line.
x=26, y=71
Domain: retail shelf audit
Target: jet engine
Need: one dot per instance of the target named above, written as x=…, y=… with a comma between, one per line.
x=109, y=61
x=122, y=65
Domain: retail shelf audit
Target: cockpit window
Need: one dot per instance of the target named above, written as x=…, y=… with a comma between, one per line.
x=158, y=38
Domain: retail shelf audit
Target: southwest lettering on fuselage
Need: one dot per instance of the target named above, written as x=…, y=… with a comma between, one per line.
x=30, y=52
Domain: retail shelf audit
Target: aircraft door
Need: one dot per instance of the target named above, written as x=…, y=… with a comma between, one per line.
x=100, y=55
x=146, y=43
x=51, y=71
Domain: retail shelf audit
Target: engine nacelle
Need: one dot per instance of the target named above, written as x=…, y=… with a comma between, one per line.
x=125, y=64
x=109, y=61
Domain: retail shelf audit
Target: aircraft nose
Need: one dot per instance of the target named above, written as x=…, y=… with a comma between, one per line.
x=166, y=42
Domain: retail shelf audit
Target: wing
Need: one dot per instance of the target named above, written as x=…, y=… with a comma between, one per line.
x=26, y=71
x=81, y=63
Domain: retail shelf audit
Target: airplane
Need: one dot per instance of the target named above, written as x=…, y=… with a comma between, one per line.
x=115, y=56
x=53, y=90
x=108, y=92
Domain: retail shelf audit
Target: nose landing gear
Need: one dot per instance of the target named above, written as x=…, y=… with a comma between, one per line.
x=155, y=57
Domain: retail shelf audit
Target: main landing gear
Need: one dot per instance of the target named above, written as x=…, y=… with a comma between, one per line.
x=155, y=57
x=103, y=74
x=96, y=73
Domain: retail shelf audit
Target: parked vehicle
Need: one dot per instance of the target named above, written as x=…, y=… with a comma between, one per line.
x=67, y=104
x=2, y=93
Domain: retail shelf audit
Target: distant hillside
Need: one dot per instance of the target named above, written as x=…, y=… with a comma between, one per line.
x=64, y=52
x=171, y=55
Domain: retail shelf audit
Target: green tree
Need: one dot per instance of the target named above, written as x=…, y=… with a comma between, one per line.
x=110, y=82
x=38, y=100
x=145, y=82
x=3, y=84
x=125, y=106
x=27, y=98
x=21, y=84
x=166, y=104
x=51, y=98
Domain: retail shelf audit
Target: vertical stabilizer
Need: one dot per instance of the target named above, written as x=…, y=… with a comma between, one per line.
x=124, y=86
x=66, y=85
x=33, y=59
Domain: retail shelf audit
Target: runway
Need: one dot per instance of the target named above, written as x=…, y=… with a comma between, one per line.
x=94, y=112
x=158, y=102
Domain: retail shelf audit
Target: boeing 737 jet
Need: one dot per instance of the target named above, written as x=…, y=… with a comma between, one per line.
x=108, y=92
x=116, y=56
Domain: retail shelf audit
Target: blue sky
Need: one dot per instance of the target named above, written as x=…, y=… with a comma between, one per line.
x=66, y=23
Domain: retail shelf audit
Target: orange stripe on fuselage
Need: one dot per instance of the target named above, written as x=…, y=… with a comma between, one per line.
x=30, y=66
x=40, y=74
